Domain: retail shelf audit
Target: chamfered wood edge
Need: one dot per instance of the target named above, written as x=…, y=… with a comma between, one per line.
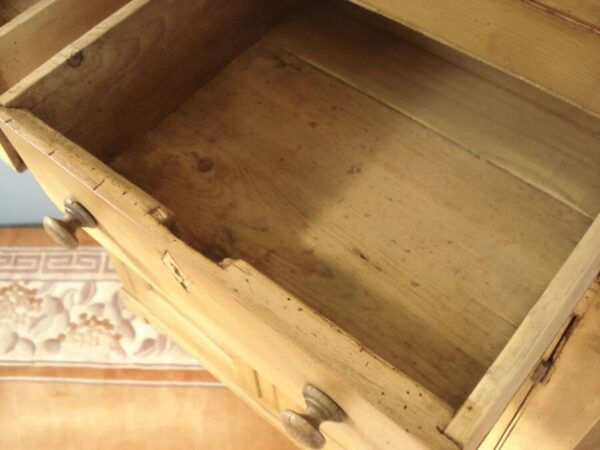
x=247, y=289
x=519, y=357
x=483, y=38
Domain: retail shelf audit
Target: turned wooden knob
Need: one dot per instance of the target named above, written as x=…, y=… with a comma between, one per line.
x=62, y=231
x=304, y=427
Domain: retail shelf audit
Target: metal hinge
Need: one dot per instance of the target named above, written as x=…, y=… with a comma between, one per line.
x=541, y=374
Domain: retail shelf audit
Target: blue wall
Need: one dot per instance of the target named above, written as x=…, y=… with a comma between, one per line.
x=22, y=201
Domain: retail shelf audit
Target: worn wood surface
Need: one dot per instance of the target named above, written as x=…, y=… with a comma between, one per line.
x=290, y=167
x=44, y=29
x=580, y=12
x=33, y=31
x=546, y=146
x=9, y=9
x=287, y=176
x=483, y=407
x=388, y=409
x=513, y=35
x=144, y=58
x=563, y=411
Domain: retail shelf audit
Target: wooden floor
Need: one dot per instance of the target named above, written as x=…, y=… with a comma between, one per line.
x=424, y=251
x=98, y=417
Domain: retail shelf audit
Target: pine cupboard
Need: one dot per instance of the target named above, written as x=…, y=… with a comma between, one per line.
x=372, y=237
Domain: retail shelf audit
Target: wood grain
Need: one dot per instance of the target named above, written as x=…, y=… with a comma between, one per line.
x=33, y=31
x=513, y=36
x=586, y=12
x=151, y=53
x=542, y=146
x=286, y=175
x=9, y=9
x=502, y=380
x=44, y=29
x=559, y=414
x=388, y=409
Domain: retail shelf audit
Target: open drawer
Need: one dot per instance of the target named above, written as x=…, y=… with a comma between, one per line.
x=406, y=233
x=32, y=31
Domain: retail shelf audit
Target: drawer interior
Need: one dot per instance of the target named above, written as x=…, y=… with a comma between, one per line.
x=418, y=200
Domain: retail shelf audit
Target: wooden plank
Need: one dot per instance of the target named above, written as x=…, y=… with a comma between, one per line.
x=296, y=182
x=497, y=436
x=41, y=31
x=581, y=12
x=513, y=36
x=9, y=9
x=389, y=410
x=540, y=145
x=33, y=31
x=517, y=360
x=147, y=57
x=560, y=413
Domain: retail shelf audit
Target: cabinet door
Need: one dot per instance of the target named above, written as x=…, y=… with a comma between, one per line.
x=559, y=409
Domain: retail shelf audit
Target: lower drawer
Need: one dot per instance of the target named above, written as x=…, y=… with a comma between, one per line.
x=254, y=388
x=31, y=32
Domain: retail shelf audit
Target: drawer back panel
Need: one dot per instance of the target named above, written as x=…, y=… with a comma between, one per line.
x=120, y=79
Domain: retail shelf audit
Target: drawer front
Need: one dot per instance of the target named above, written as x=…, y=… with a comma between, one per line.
x=251, y=386
x=302, y=347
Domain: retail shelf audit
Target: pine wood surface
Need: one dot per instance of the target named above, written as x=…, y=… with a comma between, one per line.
x=513, y=127
x=290, y=161
x=285, y=175
x=587, y=12
x=561, y=413
x=550, y=51
x=9, y=9
x=131, y=225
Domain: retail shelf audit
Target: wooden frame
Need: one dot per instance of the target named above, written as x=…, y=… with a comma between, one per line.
x=133, y=226
x=520, y=356
x=39, y=32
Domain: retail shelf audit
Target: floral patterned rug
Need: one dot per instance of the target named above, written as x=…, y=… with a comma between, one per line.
x=61, y=319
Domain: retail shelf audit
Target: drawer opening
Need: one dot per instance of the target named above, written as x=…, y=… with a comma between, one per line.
x=417, y=199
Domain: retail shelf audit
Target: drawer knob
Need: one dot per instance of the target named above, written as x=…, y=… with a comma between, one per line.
x=304, y=426
x=62, y=231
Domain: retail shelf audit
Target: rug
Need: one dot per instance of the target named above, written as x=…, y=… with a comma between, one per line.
x=61, y=319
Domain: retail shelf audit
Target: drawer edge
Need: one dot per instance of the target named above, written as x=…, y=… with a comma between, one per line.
x=525, y=348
